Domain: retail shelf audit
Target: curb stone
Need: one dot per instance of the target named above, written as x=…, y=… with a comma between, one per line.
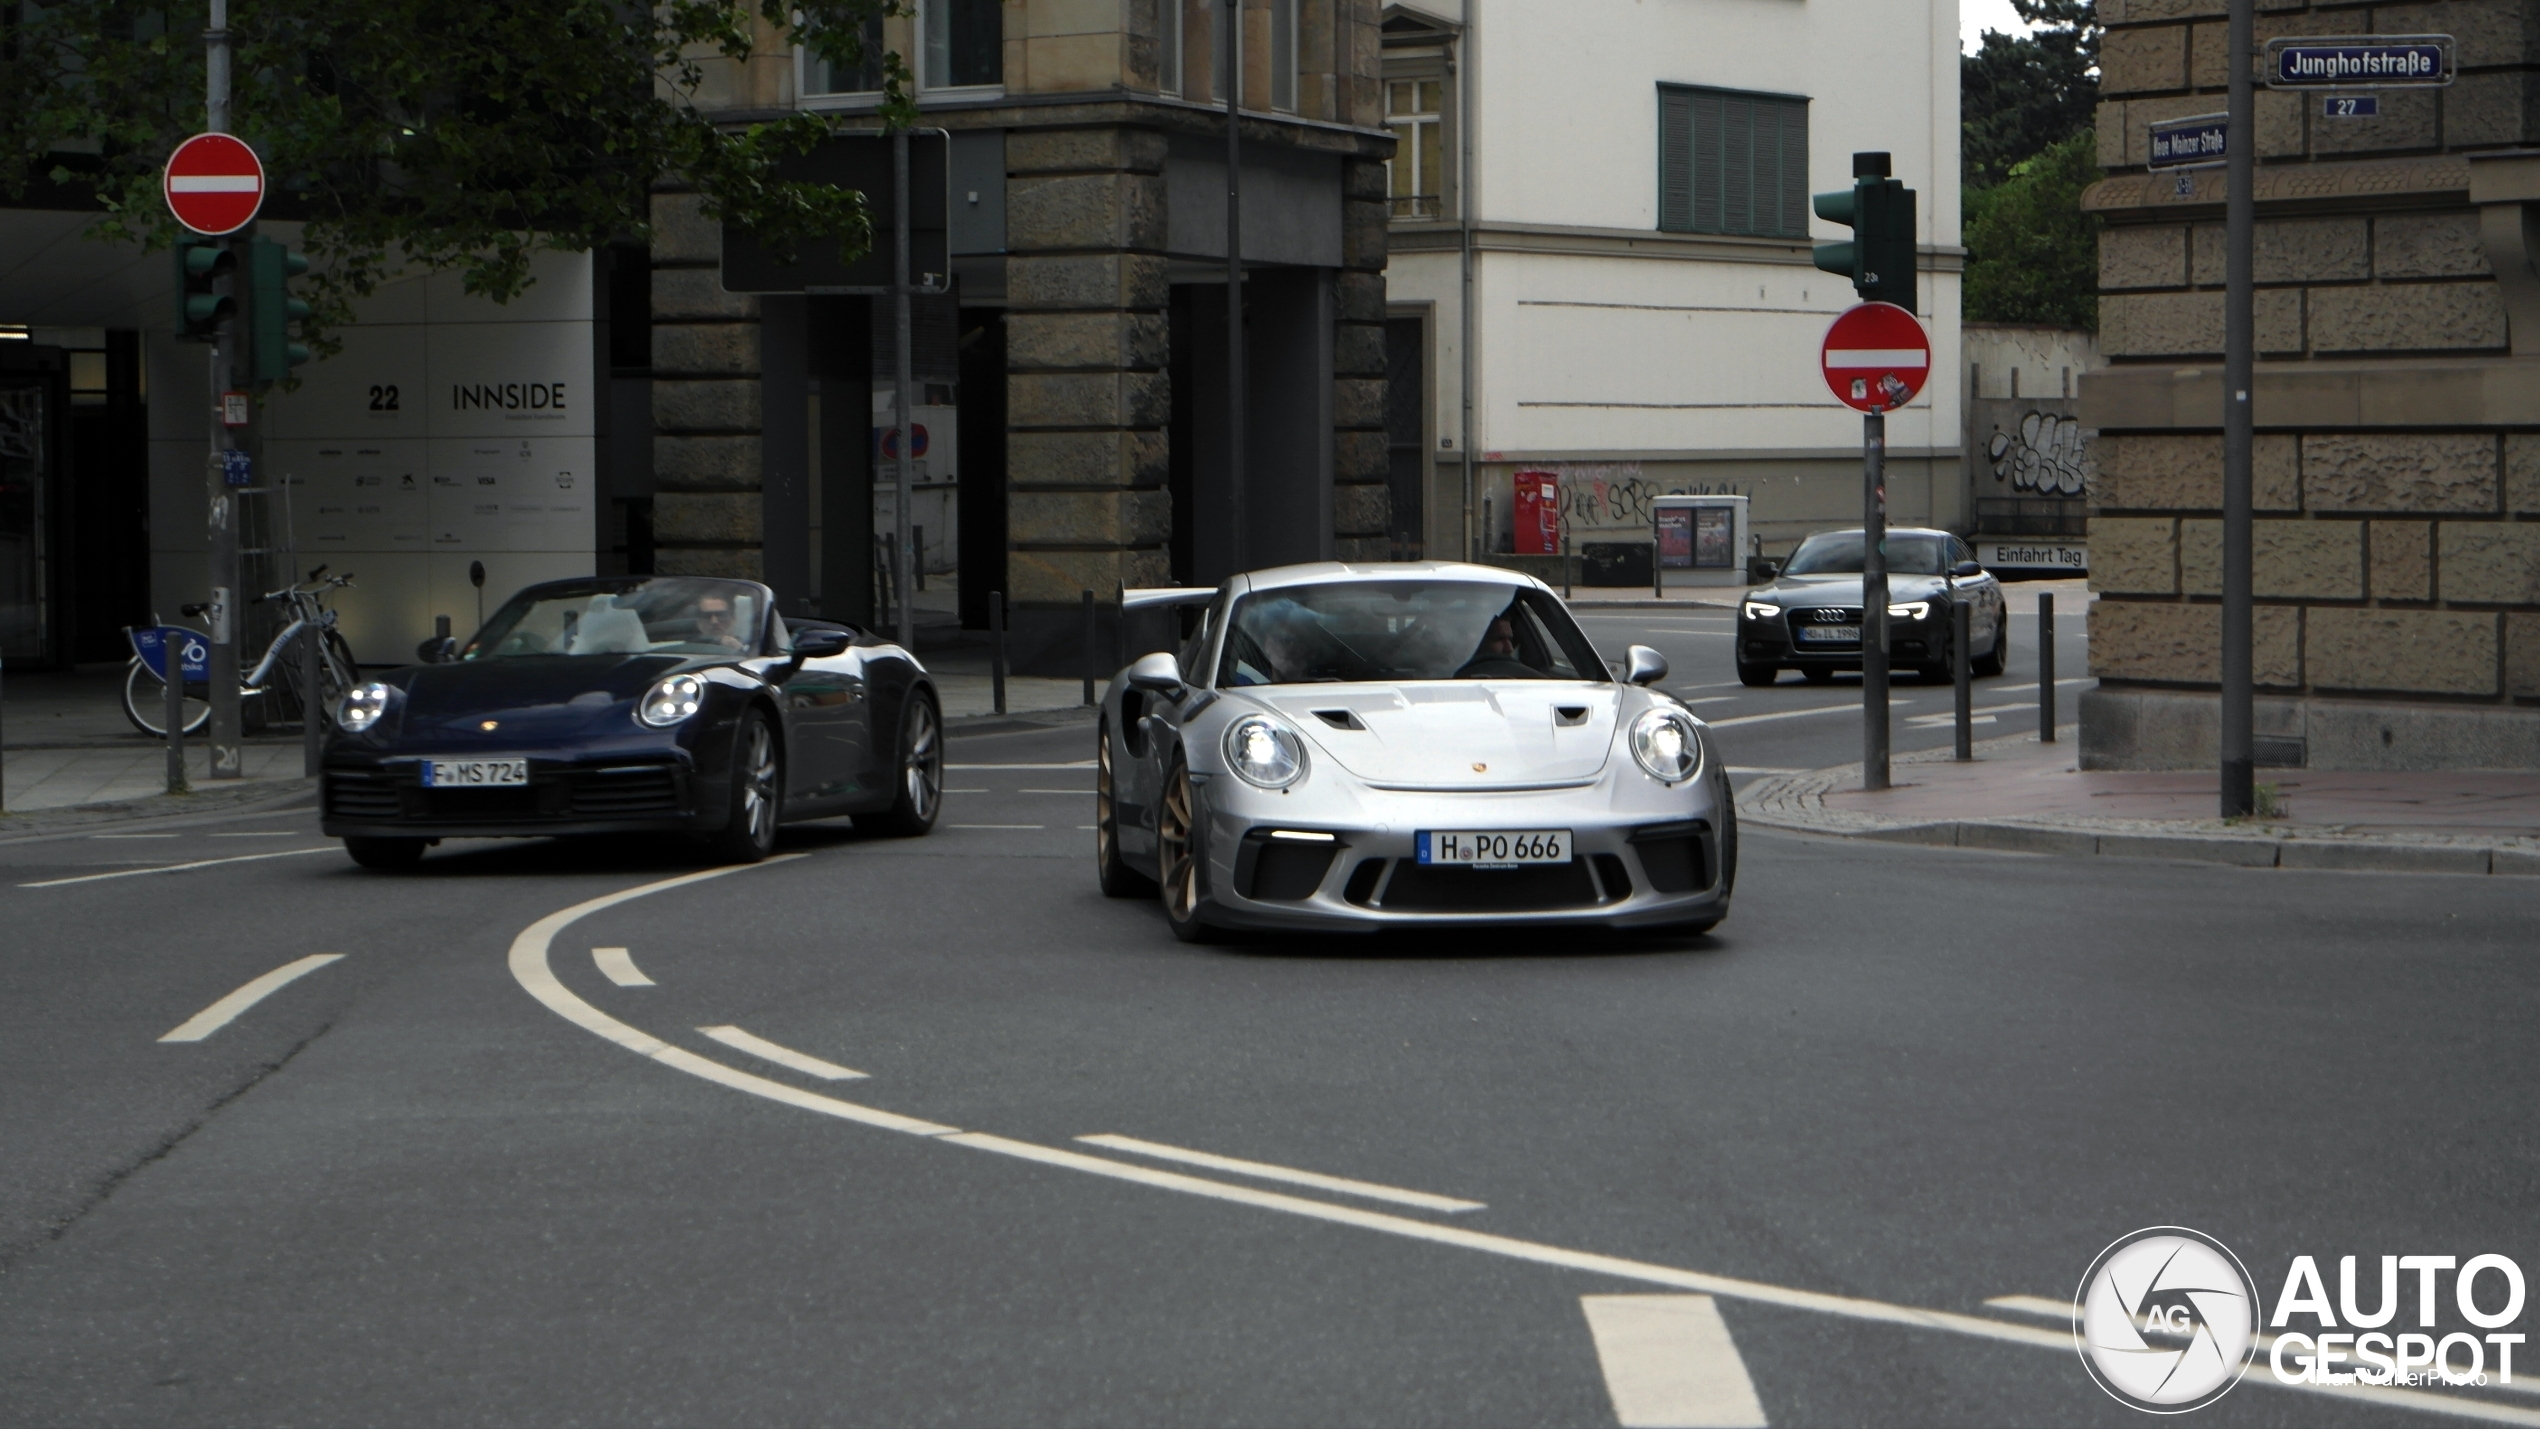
x=256, y=796
x=1796, y=802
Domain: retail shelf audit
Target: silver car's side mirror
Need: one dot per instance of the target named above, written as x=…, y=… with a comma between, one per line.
x=1158, y=674
x=1644, y=666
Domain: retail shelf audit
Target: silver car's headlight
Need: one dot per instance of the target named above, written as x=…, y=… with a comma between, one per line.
x=672, y=700
x=1664, y=742
x=361, y=707
x=1264, y=752
x=1758, y=610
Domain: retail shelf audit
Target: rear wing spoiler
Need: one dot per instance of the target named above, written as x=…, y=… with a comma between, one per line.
x=1160, y=597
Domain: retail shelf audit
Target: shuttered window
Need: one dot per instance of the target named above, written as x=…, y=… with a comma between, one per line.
x=1730, y=162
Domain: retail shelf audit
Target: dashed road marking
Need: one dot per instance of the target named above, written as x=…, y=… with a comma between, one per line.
x=1079, y=764
x=1669, y=1363
x=996, y=826
x=767, y=1051
x=174, y=867
x=220, y=1014
x=1268, y=1172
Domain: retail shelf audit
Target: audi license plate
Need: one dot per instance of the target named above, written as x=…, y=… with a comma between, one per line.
x=1495, y=848
x=474, y=773
x=1811, y=634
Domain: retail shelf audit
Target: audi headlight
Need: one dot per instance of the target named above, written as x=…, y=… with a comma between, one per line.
x=1758, y=610
x=1911, y=610
x=1664, y=742
x=1264, y=752
x=671, y=701
x=361, y=707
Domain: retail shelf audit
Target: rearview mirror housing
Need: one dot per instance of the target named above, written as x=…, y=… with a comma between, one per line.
x=1764, y=568
x=1158, y=674
x=437, y=650
x=1966, y=568
x=1644, y=666
x=820, y=644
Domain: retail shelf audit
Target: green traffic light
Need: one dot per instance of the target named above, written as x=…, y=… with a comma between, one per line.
x=270, y=268
x=200, y=307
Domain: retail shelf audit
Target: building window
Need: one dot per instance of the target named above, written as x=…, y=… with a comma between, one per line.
x=822, y=77
x=965, y=43
x=1730, y=162
x=1283, y=55
x=1416, y=174
x=1168, y=46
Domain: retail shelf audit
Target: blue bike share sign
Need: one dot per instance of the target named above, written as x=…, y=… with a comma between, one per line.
x=150, y=642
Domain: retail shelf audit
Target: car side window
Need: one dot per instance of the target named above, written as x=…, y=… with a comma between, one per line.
x=1194, y=652
x=1958, y=549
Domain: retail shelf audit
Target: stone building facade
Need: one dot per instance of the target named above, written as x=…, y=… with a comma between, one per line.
x=2397, y=404
x=1094, y=263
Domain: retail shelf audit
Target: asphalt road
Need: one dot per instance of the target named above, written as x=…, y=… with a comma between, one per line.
x=473, y=1172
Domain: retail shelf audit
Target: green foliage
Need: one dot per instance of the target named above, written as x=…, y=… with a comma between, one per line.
x=434, y=134
x=2020, y=93
x=2032, y=254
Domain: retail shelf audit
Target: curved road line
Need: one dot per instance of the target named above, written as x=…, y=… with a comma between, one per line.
x=529, y=967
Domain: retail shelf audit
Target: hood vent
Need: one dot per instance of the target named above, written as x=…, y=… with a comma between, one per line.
x=1340, y=719
x=1567, y=715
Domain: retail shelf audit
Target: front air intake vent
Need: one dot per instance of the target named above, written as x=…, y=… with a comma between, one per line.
x=1340, y=719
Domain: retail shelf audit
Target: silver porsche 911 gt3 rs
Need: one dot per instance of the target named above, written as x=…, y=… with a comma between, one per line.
x=1351, y=747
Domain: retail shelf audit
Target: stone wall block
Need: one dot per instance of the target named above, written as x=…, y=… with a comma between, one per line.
x=1364, y=226
x=682, y=233
x=1065, y=399
x=2444, y=652
x=2491, y=562
x=1146, y=399
x=2111, y=131
x=1361, y=510
x=2134, y=555
x=2172, y=471
x=2307, y=250
x=2408, y=317
x=2190, y=324
x=1358, y=402
x=707, y=518
x=2148, y=640
x=1063, y=151
x=728, y=462
x=2490, y=109
x=1364, y=179
x=2143, y=257
x=1099, y=458
x=2522, y=472
x=740, y=563
x=729, y=406
x=2522, y=654
x=1358, y=349
x=2398, y=473
x=1086, y=280
x=2409, y=119
x=2142, y=61
x=1085, y=211
x=2427, y=245
x=2402, y=566
x=1125, y=517
x=2484, y=32
x=2290, y=560
x=696, y=294
x=1359, y=456
x=705, y=350
x=1047, y=578
x=1360, y=296
x=1080, y=340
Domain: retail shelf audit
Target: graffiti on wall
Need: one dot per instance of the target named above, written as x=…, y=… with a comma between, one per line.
x=2041, y=455
x=1616, y=495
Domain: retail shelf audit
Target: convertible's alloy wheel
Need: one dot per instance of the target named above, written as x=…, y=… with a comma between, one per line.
x=1118, y=880
x=1178, y=856
x=920, y=793
x=758, y=782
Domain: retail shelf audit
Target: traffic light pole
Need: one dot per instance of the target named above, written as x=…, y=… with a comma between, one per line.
x=1874, y=733
x=224, y=734
x=2239, y=791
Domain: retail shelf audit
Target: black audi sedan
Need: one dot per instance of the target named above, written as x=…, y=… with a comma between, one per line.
x=636, y=704
x=1809, y=617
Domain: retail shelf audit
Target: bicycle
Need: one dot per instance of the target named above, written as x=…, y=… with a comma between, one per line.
x=145, y=678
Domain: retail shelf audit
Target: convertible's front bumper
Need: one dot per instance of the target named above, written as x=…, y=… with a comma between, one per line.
x=1641, y=857
x=387, y=799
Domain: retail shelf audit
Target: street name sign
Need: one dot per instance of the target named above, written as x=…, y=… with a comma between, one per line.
x=1875, y=357
x=2198, y=141
x=2359, y=61
x=214, y=184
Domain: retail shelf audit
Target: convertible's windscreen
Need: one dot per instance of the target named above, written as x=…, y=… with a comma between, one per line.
x=1403, y=630
x=671, y=616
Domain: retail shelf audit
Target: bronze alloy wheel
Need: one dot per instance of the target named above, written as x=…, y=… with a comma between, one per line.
x=1178, y=855
x=1111, y=870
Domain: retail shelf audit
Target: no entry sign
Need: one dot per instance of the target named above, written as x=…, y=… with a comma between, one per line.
x=214, y=184
x=1876, y=357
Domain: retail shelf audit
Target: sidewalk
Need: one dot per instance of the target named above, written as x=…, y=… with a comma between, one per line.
x=2022, y=796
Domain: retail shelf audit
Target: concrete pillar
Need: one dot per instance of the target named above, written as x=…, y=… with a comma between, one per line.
x=707, y=517
x=1361, y=506
x=1086, y=392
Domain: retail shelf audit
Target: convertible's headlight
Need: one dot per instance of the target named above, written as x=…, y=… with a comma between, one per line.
x=671, y=701
x=1911, y=610
x=1264, y=752
x=1664, y=742
x=1758, y=610
x=361, y=707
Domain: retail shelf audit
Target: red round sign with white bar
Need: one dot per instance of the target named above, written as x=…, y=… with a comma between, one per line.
x=214, y=184
x=1876, y=357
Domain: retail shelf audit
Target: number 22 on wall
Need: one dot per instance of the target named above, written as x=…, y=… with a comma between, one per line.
x=383, y=399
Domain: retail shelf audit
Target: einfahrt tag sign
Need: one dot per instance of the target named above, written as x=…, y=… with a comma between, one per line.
x=1876, y=357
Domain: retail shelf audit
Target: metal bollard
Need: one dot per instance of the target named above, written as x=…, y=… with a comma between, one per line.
x=1088, y=647
x=312, y=698
x=1962, y=670
x=996, y=647
x=172, y=705
x=2045, y=667
x=4, y=763
x=917, y=557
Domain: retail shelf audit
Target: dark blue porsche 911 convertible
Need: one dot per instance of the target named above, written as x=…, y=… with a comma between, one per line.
x=636, y=704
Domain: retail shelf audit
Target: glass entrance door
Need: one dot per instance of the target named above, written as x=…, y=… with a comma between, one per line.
x=27, y=456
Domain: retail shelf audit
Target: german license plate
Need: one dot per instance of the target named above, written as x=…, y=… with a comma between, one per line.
x=474, y=773
x=1494, y=848
x=1811, y=634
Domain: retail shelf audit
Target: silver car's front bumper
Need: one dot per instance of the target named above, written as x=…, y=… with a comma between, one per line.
x=1643, y=855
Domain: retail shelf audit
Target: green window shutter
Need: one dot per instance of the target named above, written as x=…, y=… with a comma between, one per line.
x=1675, y=160
x=1732, y=163
x=1706, y=161
x=1794, y=171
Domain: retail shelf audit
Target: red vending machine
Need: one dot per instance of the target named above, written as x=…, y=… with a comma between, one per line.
x=1537, y=513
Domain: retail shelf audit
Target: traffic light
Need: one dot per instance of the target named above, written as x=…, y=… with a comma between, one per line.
x=1880, y=212
x=270, y=269
x=200, y=309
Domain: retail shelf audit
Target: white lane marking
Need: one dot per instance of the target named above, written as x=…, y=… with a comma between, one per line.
x=528, y=963
x=1079, y=764
x=968, y=791
x=1714, y=634
x=1778, y=714
x=2031, y=685
x=175, y=867
x=258, y=834
x=220, y=1014
x=132, y=836
x=619, y=967
x=1761, y=769
x=765, y=1050
x=1268, y=1172
x=1709, y=700
x=1088, y=828
x=1072, y=793
x=995, y=826
x=1669, y=1363
x=1944, y=721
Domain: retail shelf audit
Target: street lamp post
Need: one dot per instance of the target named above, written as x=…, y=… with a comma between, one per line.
x=2239, y=793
